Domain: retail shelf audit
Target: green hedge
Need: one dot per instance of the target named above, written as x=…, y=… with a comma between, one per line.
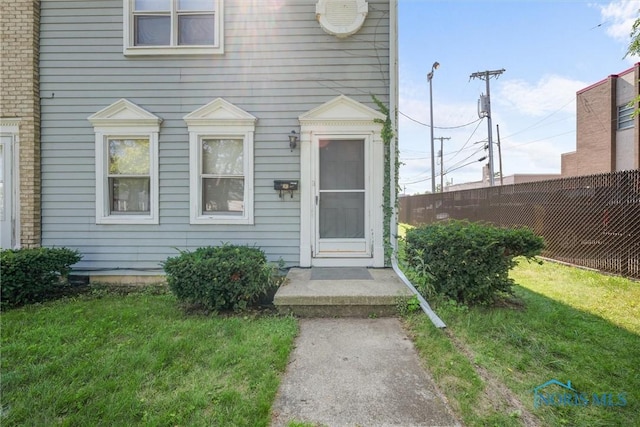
x=470, y=262
x=219, y=278
x=34, y=275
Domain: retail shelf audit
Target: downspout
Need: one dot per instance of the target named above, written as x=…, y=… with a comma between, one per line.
x=393, y=112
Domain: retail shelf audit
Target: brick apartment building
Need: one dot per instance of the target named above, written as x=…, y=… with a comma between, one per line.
x=607, y=134
x=19, y=124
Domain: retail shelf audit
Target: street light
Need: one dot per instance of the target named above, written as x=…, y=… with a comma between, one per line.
x=433, y=160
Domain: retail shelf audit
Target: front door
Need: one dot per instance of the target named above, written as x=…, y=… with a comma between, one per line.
x=341, y=199
x=6, y=193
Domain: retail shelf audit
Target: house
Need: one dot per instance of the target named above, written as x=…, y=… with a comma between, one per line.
x=607, y=132
x=168, y=126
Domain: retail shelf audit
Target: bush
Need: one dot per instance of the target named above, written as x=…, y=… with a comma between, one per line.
x=34, y=275
x=219, y=278
x=470, y=262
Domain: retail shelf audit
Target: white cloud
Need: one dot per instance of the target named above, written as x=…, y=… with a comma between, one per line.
x=618, y=17
x=550, y=94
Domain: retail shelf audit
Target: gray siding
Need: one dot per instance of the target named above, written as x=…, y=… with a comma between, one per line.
x=277, y=65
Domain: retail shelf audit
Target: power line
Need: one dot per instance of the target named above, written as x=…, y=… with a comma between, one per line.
x=469, y=139
x=438, y=127
x=467, y=164
x=466, y=158
x=539, y=121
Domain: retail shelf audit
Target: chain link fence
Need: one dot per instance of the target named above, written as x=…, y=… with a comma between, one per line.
x=591, y=221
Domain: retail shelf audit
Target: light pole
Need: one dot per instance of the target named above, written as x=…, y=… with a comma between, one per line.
x=433, y=160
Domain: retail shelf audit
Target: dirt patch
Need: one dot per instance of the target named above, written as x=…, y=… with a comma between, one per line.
x=497, y=395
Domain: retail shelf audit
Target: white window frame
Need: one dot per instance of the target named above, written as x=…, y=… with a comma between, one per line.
x=125, y=120
x=10, y=127
x=625, y=116
x=220, y=120
x=130, y=49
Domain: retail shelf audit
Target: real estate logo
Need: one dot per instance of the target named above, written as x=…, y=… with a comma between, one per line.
x=545, y=395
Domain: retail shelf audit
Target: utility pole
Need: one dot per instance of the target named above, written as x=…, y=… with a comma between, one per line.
x=441, y=138
x=433, y=159
x=499, y=153
x=486, y=76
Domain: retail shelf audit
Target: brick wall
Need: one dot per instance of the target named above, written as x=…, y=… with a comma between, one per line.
x=595, y=130
x=568, y=164
x=20, y=97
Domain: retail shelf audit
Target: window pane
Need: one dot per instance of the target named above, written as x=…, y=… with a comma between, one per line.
x=129, y=195
x=152, y=30
x=222, y=156
x=341, y=215
x=129, y=157
x=195, y=30
x=152, y=5
x=625, y=117
x=195, y=5
x=342, y=164
x=223, y=195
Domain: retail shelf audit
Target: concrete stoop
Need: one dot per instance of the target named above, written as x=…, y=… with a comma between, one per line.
x=341, y=292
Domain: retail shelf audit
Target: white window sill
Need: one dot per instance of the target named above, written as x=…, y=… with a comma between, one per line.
x=175, y=50
x=221, y=220
x=129, y=219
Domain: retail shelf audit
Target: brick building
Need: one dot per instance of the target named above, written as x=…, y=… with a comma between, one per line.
x=19, y=124
x=607, y=133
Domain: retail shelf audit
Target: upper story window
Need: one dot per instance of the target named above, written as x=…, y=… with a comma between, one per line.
x=173, y=27
x=625, y=116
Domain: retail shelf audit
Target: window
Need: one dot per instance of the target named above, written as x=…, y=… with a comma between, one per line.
x=222, y=176
x=625, y=116
x=221, y=158
x=126, y=141
x=161, y=27
x=128, y=175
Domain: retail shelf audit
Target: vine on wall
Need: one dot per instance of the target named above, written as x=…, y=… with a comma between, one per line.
x=388, y=205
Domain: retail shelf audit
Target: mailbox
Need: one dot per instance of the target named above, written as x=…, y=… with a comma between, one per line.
x=285, y=185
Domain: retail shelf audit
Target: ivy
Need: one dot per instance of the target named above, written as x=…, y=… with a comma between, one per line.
x=387, y=138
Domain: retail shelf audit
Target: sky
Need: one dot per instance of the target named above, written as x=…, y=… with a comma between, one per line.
x=549, y=49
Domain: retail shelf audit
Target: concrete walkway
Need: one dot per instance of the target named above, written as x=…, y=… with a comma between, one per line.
x=357, y=372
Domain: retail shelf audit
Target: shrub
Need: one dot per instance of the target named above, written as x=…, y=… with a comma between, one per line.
x=219, y=278
x=34, y=275
x=470, y=262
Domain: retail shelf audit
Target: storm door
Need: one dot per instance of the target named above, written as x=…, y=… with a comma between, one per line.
x=6, y=193
x=341, y=199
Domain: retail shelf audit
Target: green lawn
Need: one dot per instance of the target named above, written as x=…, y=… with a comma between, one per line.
x=138, y=360
x=565, y=324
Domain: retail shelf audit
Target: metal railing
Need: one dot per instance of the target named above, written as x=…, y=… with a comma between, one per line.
x=591, y=221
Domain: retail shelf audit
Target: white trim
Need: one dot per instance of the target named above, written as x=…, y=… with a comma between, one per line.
x=341, y=117
x=130, y=50
x=11, y=127
x=220, y=119
x=351, y=248
x=121, y=120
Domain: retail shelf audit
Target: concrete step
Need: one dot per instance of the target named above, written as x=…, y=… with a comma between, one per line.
x=341, y=292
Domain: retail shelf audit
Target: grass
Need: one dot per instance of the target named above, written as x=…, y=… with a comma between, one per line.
x=139, y=360
x=565, y=324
